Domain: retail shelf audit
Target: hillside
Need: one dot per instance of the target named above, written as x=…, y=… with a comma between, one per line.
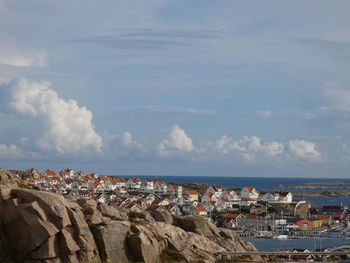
x=37, y=226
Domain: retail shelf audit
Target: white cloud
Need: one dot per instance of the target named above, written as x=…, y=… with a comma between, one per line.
x=19, y=58
x=304, y=150
x=252, y=149
x=264, y=113
x=69, y=126
x=338, y=96
x=11, y=152
x=178, y=141
x=226, y=144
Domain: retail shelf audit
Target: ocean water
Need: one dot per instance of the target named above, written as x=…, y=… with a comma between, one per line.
x=304, y=243
x=264, y=184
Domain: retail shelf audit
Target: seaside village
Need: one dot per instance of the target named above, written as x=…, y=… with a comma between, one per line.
x=250, y=213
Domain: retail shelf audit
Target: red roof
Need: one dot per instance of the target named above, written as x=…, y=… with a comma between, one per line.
x=192, y=192
x=248, y=199
x=250, y=188
x=201, y=208
x=232, y=216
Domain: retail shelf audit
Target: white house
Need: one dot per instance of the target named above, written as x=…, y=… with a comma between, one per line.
x=207, y=197
x=175, y=189
x=278, y=197
x=209, y=206
x=119, y=182
x=232, y=196
x=160, y=187
x=133, y=183
x=248, y=201
x=198, y=210
x=231, y=220
x=147, y=186
x=215, y=190
x=250, y=193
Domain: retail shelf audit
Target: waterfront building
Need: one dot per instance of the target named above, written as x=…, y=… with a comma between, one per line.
x=304, y=224
x=278, y=197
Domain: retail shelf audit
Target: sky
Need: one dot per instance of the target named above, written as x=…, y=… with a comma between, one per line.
x=176, y=87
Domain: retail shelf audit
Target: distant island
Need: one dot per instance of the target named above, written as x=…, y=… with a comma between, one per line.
x=333, y=189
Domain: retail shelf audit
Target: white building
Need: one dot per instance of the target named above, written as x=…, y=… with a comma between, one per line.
x=147, y=186
x=160, y=187
x=133, y=183
x=278, y=197
x=215, y=190
x=249, y=192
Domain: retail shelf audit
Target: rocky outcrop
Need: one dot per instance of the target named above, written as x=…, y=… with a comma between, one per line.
x=8, y=179
x=39, y=226
x=45, y=227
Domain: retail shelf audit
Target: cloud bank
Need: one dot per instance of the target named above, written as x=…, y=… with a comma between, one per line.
x=253, y=150
x=69, y=127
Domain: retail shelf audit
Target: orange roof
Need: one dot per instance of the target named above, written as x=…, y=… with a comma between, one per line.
x=201, y=208
x=192, y=192
x=248, y=199
x=119, y=180
x=232, y=216
x=250, y=188
x=209, y=194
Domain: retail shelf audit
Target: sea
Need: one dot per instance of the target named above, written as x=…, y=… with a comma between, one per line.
x=265, y=184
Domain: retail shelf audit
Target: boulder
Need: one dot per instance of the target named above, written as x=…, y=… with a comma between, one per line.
x=110, y=240
x=197, y=225
x=51, y=228
x=111, y=212
x=162, y=215
x=145, y=244
x=92, y=215
x=8, y=179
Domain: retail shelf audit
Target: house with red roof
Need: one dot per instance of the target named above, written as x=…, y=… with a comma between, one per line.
x=50, y=173
x=191, y=194
x=67, y=173
x=215, y=190
x=249, y=192
x=33, y=172
x=304, y=224
x=118, y=182
x=160, y=187
x=198, y=210
x=207, y=197
x=133, y=183
x=230, y=220
x=232, y=196
x=209, y=206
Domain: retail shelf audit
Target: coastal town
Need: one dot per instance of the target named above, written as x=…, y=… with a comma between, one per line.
x=250, y=213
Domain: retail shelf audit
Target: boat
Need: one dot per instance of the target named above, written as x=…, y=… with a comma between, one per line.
x=280, y=237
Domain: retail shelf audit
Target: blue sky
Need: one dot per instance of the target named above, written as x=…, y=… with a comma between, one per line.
x=165, y=87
